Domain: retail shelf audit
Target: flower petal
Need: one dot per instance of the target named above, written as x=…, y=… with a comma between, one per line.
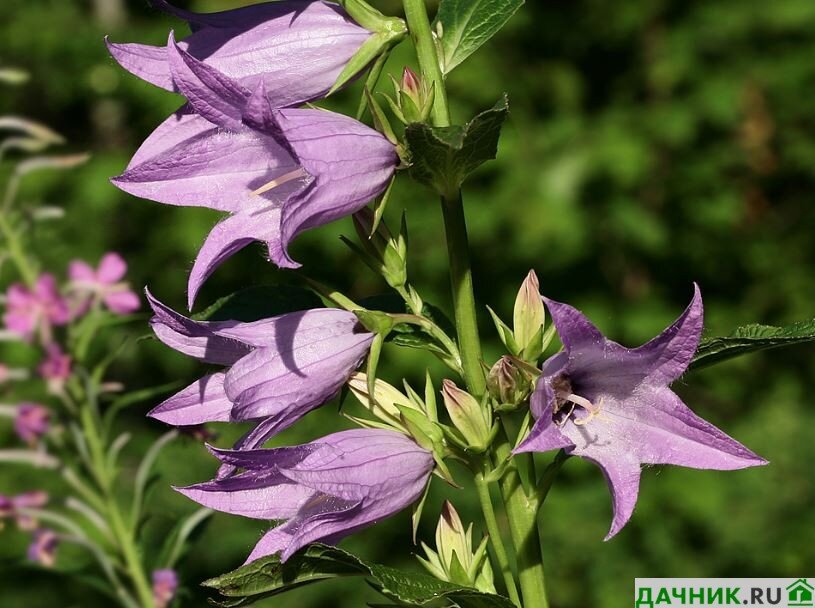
x=226, y=239
x=202, y=401
x=622, y=473
x=252, y=495
x=188, y=161
x=213, y=95
x=122, y=302
x=81, y=272
x=282, y=44
x=112, y=268
x=294, y=379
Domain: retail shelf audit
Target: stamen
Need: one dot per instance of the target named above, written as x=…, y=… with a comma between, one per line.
x=592, y=409
x=279, y=181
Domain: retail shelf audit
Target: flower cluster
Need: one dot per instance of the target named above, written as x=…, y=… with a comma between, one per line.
x=37, y=314
x=242, y=146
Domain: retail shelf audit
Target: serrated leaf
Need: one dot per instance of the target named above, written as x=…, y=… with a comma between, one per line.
x=443, y=157
x=267, y=577
x=749, y=339
x=464, y=25
x=259, y=302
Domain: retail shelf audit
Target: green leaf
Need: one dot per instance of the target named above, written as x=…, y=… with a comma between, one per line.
x=443, y=157
x=267, y=577
x=749, y=339
x=464, y=25
x=260, y=302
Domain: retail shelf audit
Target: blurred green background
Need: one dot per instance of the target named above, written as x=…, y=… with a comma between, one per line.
x=651, y=143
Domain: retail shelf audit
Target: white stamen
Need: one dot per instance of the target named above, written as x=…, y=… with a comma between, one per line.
x=279, y=181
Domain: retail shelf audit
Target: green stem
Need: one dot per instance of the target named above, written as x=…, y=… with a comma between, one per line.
x=419, y=26
x=455, y=225
x=461, y=279
x=522, y=514
x=124, y=539
x=16, y=251
x=496, y=540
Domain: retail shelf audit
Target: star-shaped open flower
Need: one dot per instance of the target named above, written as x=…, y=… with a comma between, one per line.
x=612, y=406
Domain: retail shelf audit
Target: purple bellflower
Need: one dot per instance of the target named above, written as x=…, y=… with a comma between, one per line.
x=277, y=172
x=296, y=48
x=324, y=490
x=278, y=369
x=612, y=406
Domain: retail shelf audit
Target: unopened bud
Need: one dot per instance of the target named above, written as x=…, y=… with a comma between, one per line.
x=454, y=559
x=473, y=421
x=509, y=381
x=385, y=404
x=411, y=83
x=528, y=315
x=387, y=254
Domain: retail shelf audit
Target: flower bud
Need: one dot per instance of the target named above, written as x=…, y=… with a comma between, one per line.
x=509, y=382
x=384, y=253
x=454, y=559
x=384, y=405
x=473, y=421
x=528, y=315
x=413, y=98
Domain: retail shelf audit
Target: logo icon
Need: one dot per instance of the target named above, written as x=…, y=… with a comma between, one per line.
x=799, y=593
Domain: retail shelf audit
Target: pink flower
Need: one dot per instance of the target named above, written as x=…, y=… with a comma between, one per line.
x=165, y=583
x=43, y=547
x=9, y=506
x=30, y=310
x=56, y=366
x=105, y=283
x=31, y=422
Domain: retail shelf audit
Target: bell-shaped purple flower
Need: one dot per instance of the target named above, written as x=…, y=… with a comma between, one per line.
x=296, y=48
x=323, y=490
x=277, y=369
x=612, y=406
x=277, y=172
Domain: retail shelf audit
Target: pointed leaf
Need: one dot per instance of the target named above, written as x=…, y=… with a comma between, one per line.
x=464, y=25
x=749, y=339
x=443, y=157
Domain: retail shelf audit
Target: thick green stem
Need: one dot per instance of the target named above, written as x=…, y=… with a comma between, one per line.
x=522, y=513
x=461, y=279
x=496, y=539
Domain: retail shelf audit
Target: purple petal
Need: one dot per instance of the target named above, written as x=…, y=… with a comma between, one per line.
x=669, y=354
x=264, y=458
x=226, y=239
x=197, y=339
x=188, y=161
x=251, y=495
x=352, y=164
x=296, y=48
x=213, y=95
x=294, y=378
x=622, y=473
x=147, y=62
x=202, y=401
